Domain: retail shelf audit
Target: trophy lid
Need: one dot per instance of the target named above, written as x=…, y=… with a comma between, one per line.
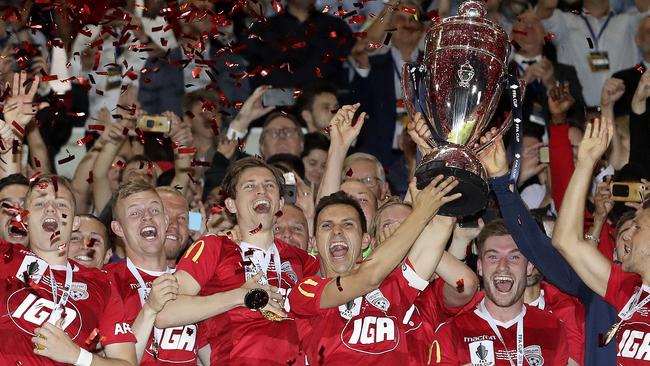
x=472, y=8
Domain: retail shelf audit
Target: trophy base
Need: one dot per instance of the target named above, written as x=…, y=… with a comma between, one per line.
x=474, y=188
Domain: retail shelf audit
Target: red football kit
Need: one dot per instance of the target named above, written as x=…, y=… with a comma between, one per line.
x=423, y=318
x=241, y=336
x=91, y=310
x=177, y=345
x=533, y=338
x=366, y=331
x=631, y=298
x=570, y=311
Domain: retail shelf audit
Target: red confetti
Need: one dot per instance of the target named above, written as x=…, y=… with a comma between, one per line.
x=91, y=243
x=279, y=214
x=37, y=163
x=200, y=163
x=216, y=209
x=549, y=37
x=299, y=45
x=196, y=72
x=349, y=172
x=278, y=7
x=360, y=34
x=18, y=128
x=256, y=230
x=434, y=15
x=96, y=127
x=319, y=74
x=189, y=331
x=409, y=10
x=460, y=285
x=96, y=63
x=65, y=160
x=640, y=68
x=85, y=140
x=374, y=45
x=357, y=19
x=90, y=177
x=187, y=150
x=332, y=34
x=91, y=337
x=54, y=180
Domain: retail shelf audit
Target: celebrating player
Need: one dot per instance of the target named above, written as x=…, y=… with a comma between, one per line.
x=144, y=280
x=501, y=330
x=57, y=311
x=373, y=294
x=223, y=273
x=89, y=243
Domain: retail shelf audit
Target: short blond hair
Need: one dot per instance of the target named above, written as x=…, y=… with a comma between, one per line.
x=128, y=189
x=392, y=201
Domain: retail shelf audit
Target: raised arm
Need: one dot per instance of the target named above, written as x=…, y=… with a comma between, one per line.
x=592, y=267
x=461, y=282
x=251, y=110
x=374, y=269
x=342, y=133
x=114, y=140
x=181, y=136
x=613, y=90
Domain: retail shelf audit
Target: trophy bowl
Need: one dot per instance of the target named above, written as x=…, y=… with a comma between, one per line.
x=457, y=87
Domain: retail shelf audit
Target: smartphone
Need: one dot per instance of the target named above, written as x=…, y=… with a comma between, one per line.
x=278, y=97
x=154, y=123
x=628, y=191
x=290, y=190
x=195, y=219
x=544, y=156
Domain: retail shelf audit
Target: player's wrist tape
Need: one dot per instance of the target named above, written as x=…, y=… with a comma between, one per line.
x=85, y=358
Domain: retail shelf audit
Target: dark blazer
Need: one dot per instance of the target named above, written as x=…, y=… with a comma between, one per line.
x=631, y=79
x=536, y=98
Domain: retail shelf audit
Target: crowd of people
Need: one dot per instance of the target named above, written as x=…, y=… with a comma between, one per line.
x=244, y=192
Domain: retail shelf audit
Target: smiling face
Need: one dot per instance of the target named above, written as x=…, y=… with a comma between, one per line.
x=12, y=200
x=141, y=222
x=339, y=238
x=637, y=252
x=504, y=270
x=314, y=163
x=178, y=232
x=51, y=217
x=292, y=227
x=89, y=243
x=257, y=199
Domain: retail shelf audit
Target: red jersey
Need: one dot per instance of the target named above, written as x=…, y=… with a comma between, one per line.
x=177, y=345
x=469, y=339
x=633, y=337
x=422, y=319
x=241, y=336
x=366, y=331
x=571, y=312
x=92, y=312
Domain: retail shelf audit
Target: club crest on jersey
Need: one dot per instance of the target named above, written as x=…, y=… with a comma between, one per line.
x=78, y=291
x=371, y=334
x=378, y=300
x=533, y=355
x=286, y=268
x=482, y=353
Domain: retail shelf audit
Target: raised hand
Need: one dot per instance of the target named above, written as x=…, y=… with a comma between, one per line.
x=530, y=165
x=493, y=157
x=163, y=289
x=613, y=90
x=181, y=131
x=560, y=99
x=341, y=130
x=603, y=199
x=305, y=199
x=227, y=147
x=641, y=94
x=598, y=135
x=418, y=129
x=251, y=110
x=20, y=107
x=433, y=196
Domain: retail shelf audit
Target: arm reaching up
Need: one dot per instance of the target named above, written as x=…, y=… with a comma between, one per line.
x=592, y=267
x=342, y=133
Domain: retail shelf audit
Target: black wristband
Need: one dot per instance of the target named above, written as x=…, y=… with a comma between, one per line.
x=256, y=299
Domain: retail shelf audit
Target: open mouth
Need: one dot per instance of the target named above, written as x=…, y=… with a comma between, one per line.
x=50, y=225
x=262, y=206
x=171, y=237
x=338, y=249
x=503, y=283
x=16, y=231
x=83, y=258
x=149, y=232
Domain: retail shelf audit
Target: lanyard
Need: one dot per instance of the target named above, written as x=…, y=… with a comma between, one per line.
x=144, y=294
x=60, y=303
x=633, y=305
x=591, y=30
x=261, y=260
x=495, y=329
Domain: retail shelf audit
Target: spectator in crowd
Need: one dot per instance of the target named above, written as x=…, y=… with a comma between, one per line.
x=281, y=134
x=314, y=157
x=316, y=106
x=13, y=189
x=365, y=168
x=374, y=300
x=292, y=227
x=144, y=279
x=178, y=233
x=631, y=76
x=298, y=47
x=90, y=244
x=54, y=337
x=364, y=196
x=516, y=331
x=596, y=41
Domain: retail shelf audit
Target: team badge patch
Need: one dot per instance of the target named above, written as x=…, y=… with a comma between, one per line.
x=378, y=300
x=533, y=354
x=482, y=353
x=78, y=291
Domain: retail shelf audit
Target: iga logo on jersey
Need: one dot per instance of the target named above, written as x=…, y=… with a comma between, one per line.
x=29, y=312
x=371, y=334
x=482, y=353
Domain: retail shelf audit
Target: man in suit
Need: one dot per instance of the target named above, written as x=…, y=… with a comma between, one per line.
x=632, y=75
x=541, y=74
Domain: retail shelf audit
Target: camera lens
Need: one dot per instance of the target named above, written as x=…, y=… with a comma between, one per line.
x=150, y=123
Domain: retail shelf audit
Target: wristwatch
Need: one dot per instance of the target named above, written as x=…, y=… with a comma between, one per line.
x=256, y=299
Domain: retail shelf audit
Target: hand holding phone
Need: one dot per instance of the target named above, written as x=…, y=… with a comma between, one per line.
x=279, y=97
x=628, y=191
x=154, y=123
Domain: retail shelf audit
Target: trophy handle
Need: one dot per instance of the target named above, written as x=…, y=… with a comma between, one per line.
x=413, y=76
x=515, y=114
